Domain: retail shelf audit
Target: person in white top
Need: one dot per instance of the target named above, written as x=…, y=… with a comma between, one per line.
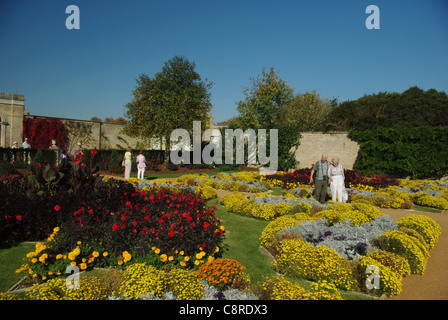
x=141, y=165
x=26, y=144
x=336, y=178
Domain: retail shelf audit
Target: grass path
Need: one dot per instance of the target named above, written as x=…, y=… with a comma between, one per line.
x=242, y=242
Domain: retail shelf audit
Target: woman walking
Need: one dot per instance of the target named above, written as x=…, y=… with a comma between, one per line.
x=141, y=165
x=336, y=177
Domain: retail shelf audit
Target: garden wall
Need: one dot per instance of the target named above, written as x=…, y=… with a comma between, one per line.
x=336, y=144
x=12, y=113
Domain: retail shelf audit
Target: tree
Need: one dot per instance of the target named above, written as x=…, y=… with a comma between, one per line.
x=95, y=119
x=262, y=101
x=412, y=108
x=118, y=120
x=305, y=111
x=260, y=110
x=173, y=98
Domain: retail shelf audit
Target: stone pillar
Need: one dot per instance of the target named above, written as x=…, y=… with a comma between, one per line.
x=57, y=152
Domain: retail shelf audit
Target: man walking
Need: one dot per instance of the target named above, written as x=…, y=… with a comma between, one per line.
x=321, y=182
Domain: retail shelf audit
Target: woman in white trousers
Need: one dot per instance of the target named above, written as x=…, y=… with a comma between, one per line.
x=141, y=165
x=336, y=177
x=127, y=164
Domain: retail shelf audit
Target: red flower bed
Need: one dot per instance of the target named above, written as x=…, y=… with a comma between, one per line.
x=167, y=220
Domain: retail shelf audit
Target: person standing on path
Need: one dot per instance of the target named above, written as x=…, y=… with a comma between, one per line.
x=321, y=181
x=336, y=177
x=141, y=165
x=127, y=163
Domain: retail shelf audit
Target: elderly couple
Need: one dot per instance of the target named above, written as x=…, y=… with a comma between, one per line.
x=326, y=172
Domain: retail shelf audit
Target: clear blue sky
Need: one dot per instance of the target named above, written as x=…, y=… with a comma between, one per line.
x=315, y=45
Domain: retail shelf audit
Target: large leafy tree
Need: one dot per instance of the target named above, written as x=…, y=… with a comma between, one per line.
x=263, y=100
x=260, y=109
x=174, y=98
x=305, y=111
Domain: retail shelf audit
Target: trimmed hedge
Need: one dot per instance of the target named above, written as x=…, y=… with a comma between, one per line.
x=417, y=152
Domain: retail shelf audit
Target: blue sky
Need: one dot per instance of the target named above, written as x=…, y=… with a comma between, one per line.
x=315, y=45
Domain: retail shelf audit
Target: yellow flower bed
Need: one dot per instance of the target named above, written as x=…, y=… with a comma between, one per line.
x=207, y=192
x=391, y=260
x=185, y=285
x=268, y=238
x=409, y=247
x=278, y=288
x=140, y=278
x=389, y=281
x=357, y=213
x=387, y=198
x=317, y=264
x=427, y=227
x=90, y=288
x=427, y=200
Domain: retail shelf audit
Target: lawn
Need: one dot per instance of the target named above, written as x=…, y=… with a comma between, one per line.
x=242, y=242
x=10, y=260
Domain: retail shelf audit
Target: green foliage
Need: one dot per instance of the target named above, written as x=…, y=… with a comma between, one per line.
x=412, y=108
x=262, y=101
x=173, y=98
x=288, y=138
x=44, y=156
x=306, y=112
x=418, y=151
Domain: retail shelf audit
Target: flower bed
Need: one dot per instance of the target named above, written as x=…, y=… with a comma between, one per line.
x=337, y=244
x=241, y=181
x=163, y=228
x=426, y=193
x=291, y=180
x=167, y=244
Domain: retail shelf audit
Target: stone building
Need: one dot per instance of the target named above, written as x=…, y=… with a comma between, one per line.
x=12, y=111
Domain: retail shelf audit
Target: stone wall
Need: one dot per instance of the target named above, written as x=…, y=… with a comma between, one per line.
x=91, y=134
x=337, y=144
x=12, y=110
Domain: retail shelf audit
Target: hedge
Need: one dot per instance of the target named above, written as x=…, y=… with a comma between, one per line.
x=420, y=152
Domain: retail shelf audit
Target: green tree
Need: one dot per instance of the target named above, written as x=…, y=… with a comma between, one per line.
x=260, y=110
x=262, y=101
x=305, y=111
x=173, y=98
x=412, y=108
